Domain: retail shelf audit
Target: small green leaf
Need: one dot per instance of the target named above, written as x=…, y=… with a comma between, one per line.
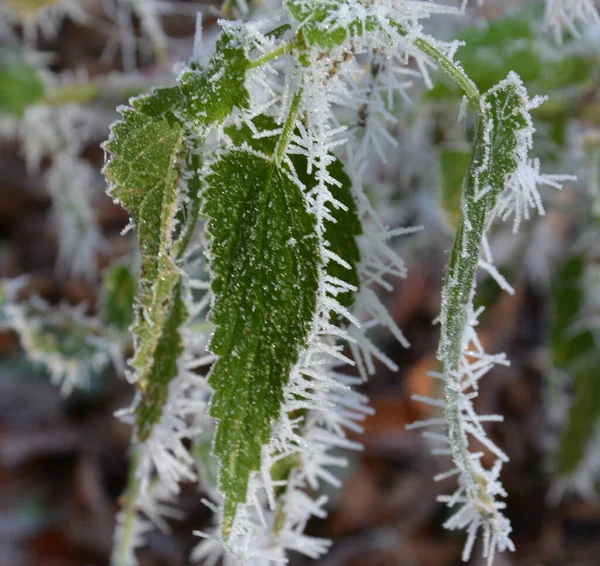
x=164, y=366
x=212, y=94
x=568, y=346
x=264, y=259
x=21, y=84
x=320, y=26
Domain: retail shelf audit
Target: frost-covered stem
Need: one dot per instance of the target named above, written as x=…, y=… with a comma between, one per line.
x=450, y=68
x=286, y=48
x=457, y=295
x=453, y=71
x=288, y=127
x=125, y=542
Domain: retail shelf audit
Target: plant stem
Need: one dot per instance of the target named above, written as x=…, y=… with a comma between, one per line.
x=451, y=69
x=274, y=54
x=126, y=541
x=288, y=127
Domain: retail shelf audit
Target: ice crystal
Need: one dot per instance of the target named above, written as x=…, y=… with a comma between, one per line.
x=62, y=339
x=62, y=133
x=564, y=15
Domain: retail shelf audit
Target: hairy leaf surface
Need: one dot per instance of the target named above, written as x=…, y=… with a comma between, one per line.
x=212, y=94
x=145, y=172
x=341, y=232
x=265, y=260
x=321, y=23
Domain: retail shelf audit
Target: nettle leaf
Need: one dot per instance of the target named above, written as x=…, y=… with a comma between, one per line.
x=264, y=259
x=212, y=94
x=342, y=232
x=504, y=113
x=21, y=84
x=321, y=23
x=145, y=171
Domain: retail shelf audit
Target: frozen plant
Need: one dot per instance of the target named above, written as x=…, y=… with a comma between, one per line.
x=268, y=139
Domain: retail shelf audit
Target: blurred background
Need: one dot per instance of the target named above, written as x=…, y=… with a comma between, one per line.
x=68, y=276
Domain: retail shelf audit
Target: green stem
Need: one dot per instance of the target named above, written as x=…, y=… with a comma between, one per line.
x=288, y=127
x=451, y=69
x=193, y=211
x=126, y=540
x=274, y=54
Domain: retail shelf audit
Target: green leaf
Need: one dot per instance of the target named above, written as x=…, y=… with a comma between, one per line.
x=264, y=259
x=492, y=161
x=148, y=150
x=213, y=93
x=320, y=26
x=163, y=369
x=21, y=84
x=119, y=286
x=567, y=301
x=343, y=231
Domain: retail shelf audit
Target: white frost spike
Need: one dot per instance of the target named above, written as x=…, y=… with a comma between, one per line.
x=520, y=194
x=563, y=15
x=62, y=133
x=163, y=461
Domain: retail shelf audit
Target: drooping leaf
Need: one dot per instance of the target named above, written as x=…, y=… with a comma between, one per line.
x=212, y=94
x=145, y=170
x=169, y=347
x=264, y=259
x=21, y=84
